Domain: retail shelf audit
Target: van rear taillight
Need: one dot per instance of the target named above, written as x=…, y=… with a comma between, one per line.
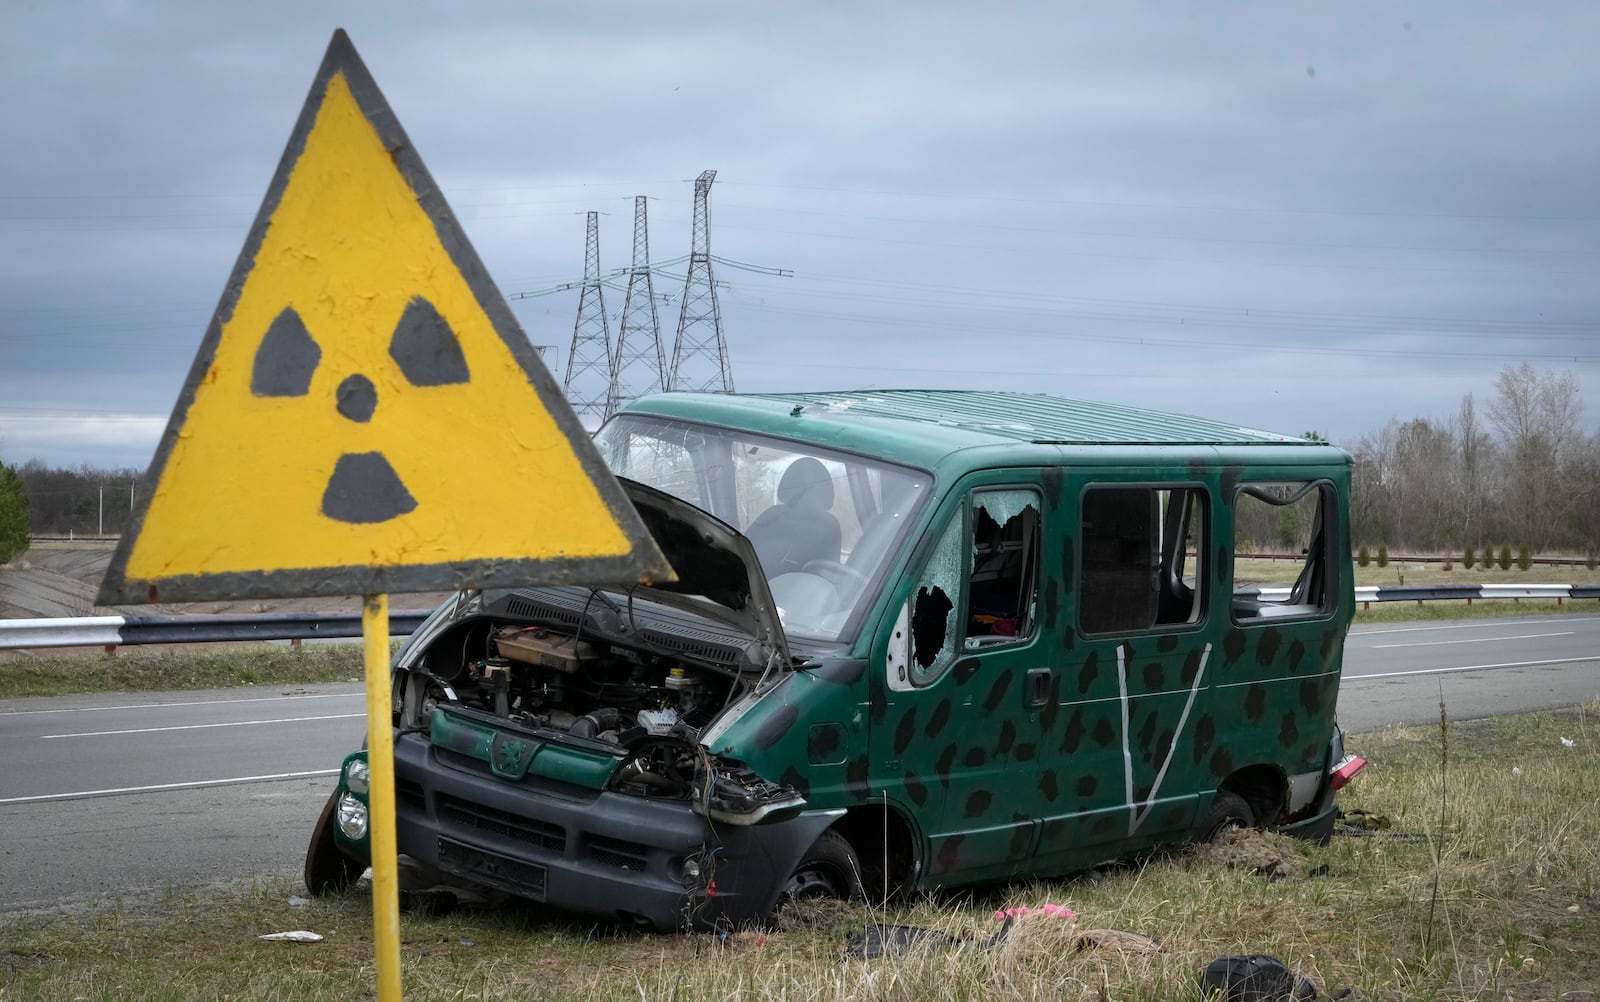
x=1348, y=768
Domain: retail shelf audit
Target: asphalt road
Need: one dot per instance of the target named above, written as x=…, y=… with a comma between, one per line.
x=118, y=796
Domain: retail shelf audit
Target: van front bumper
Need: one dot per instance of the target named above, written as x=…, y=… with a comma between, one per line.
x=605, y=855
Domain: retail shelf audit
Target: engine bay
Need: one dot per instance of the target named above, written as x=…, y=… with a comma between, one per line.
x=647, y=707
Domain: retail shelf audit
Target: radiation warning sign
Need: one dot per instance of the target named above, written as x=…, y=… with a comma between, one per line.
x=364, y=414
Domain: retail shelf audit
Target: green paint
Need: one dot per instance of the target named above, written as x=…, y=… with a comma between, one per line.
x=515, y=756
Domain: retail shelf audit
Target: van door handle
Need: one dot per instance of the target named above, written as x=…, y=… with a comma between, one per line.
x=1038, y=686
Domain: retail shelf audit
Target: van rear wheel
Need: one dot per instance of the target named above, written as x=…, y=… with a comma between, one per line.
x=1228, y=810
x=829, y=869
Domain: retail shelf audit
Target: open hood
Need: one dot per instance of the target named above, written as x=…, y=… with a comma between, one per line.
x=718, y=571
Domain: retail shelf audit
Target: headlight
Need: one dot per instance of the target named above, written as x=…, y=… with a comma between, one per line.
x=352, y=815
x=357, y=776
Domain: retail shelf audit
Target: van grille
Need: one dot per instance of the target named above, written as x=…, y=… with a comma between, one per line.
x=618, y=853
x=528, y=831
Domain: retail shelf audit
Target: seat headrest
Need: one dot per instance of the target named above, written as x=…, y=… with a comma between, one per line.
x=806, y=484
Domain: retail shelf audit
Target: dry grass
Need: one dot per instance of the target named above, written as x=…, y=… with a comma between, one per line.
x=197, y=666
x=1515, y=915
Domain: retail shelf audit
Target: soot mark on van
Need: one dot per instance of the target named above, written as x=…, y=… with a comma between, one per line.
x=937, y=722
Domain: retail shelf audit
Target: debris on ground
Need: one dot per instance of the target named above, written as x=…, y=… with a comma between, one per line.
x=1364, y=820
x=296, y=901
x=880, y=940
x=1265, y=853
x=1118, y=941
x=293, y=936
x=1258, y=978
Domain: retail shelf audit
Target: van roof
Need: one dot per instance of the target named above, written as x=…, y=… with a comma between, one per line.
x=935, y=422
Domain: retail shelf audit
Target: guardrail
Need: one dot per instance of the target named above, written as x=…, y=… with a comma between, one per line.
x=112, y=632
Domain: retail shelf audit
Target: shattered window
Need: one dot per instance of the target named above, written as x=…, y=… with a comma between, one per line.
x=1282, y=556
x=978, y=589
x=1141, y=552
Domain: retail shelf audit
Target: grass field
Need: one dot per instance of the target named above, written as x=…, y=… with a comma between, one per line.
x=1487, y=887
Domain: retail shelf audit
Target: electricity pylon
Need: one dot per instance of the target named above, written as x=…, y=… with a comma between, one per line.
x=700, y=354
x=589, y=363
x=637, y=364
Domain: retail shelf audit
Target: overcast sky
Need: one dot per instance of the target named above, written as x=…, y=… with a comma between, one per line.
x=1295, y=216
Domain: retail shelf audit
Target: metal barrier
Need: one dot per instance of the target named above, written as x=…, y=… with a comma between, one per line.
x=125, y=631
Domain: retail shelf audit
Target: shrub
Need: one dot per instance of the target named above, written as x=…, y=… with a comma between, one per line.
x=1505, y=558
x=1383, y=554
x=1524, y=557
x=1447, y=563
x=1468, y=558
x=1362, y=556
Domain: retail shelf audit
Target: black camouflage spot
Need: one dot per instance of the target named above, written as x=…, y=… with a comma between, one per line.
x=1087, y=785
x=1329, y=639
x=1021, y=835
x=1255, y=701
x=1191, y=668
x=966, y=669
x=1074, y=735
x=1147, y=733
x=1069, y=640
x=905, y=731
x=1198, y=469
x=1103, y=825
x=1026, y=752
x=1310, y=697
x=1224, y=561
x=1289, y=732
x=1091, y=669
x=941, y=716
x=1297, y=653
x=1167, y=644
x=1104, y=735
x=975, y=758
x=1047, y=785
x=846, y=671
x=1164, y=745
x=947, y=758
x=1141, y=795
x=1222, y=762
x=877, y=700
x=855, y=777
x=1069, y=565
x=1176, y=817
x=997, y=692
x=1232, y=646
x=949, y=855
x=1054, y=829
x=796, y=781
x=1051, y=480
x=1205, y=732
x=915, y=790
x=1052, y=605
x=1267, y=646
x=1154, y=676
x=823, y=742
x=773, y=729
x=1008, y=737
x=1231, y=474
x=978, y=803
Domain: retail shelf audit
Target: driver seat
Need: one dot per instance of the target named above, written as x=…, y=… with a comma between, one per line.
x=800, y=528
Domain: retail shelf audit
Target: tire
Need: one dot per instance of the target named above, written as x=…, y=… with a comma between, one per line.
x=1228, y=810
x=829, y=869
x=328, y=869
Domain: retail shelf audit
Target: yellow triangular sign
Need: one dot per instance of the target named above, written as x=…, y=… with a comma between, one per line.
x=365, y=415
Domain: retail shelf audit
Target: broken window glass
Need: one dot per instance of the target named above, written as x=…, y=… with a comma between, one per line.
x=1142, y=552
x=1282, y=554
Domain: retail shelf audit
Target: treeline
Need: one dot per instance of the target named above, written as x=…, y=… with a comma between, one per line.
x=1524, y=475
x=82, y=502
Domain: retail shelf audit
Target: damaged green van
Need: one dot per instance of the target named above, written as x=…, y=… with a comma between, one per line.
x=918, y=639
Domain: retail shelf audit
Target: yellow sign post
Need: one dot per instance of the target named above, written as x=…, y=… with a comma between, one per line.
x=364, y=415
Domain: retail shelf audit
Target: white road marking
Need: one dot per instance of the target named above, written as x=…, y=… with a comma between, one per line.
x=169, y=786
x=197, y=702
x=1474, y=640
x=198, y=727
x=1504, y=664
x=1476, y=625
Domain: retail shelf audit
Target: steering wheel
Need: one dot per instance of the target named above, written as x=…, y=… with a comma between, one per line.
x=848, y=580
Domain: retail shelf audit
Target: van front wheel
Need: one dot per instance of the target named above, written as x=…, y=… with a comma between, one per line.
x=1228, y=810
x=829, y=869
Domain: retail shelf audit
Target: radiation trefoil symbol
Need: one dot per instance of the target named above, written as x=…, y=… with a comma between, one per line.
x=364, y=487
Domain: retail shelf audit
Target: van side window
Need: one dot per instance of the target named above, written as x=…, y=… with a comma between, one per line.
x=978, y=590
x=1280, y=519
x=1142, y=551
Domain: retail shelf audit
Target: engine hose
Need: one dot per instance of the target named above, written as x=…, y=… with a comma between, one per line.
x=607, y=718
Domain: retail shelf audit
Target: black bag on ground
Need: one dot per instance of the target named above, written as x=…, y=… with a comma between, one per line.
x=1256, y=978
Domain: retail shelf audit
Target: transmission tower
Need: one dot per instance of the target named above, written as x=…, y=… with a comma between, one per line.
x=588, y=382
x=637, y=365
x=700, y=355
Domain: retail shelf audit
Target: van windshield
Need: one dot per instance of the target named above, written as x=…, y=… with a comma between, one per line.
x=824, y=524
